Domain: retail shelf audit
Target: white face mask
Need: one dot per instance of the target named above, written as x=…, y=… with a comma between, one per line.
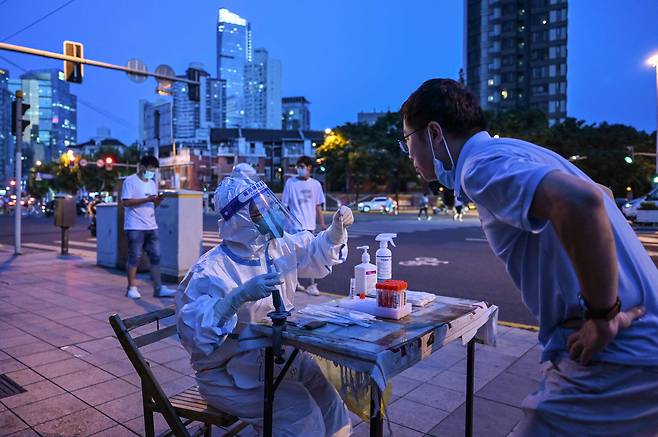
x=302, y=172
x=149, y=175
x=445, y=177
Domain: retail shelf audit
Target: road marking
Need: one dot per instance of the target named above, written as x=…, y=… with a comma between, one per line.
x=52, y=248
x=79, y=243
x=519, y=326
x=478, y=240
x=423, y=261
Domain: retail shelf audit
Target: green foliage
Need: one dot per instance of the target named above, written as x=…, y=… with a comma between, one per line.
x=604, y=146
x=358, y=156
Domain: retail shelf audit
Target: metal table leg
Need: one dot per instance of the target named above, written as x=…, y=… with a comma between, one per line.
x=269, y=392
x=376, y=417
x=470, y=384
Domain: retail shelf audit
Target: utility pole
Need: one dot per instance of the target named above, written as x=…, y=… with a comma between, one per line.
x=19, y=126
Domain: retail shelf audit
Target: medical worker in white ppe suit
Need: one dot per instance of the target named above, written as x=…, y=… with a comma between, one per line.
x=230, y=287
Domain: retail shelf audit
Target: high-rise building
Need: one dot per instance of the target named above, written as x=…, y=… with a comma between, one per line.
x=188, y=115
x=52, y=114
x=6, y=142
x=369, y=118
x=295, y=113
x=234, y=51
x=262, y=92
x=216, y=102
x=516, y=54
x=156, y=125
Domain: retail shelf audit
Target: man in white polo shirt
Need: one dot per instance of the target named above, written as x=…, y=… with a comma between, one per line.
x=140, y=198
x=304, y=197
x=579, y=265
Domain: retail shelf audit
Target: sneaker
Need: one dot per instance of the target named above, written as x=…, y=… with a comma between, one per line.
x=133, y=293
x=300, y=287
x=418, y=218
x=164, y=292
x=313, y=290
x=429, y=218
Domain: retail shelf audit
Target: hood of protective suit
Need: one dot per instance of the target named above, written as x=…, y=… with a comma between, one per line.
x=239, y=231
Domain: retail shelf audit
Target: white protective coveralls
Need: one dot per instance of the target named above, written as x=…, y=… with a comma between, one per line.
x=228, y=357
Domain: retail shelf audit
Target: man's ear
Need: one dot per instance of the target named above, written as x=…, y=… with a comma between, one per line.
x=435, y=130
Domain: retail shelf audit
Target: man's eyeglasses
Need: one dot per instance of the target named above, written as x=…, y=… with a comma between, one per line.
x=403, y=142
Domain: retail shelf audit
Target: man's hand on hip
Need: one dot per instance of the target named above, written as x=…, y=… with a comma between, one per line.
x=595, y=334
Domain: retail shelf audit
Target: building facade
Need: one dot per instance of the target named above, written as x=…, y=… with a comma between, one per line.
x=6, y=141
x=369, y=118
x=52, y=114
x=262, y=92
x=234, y=51
x=295, y=113
x=516, y=54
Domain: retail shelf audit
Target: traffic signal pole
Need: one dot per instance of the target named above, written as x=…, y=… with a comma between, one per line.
x=86, y=61
x=18, y=128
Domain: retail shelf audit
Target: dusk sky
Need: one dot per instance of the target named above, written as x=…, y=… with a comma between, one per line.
x=345, y=56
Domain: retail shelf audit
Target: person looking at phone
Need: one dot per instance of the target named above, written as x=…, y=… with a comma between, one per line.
x=140, y=198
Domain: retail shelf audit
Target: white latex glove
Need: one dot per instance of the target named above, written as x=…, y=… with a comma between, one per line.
x=343, y=218
x=254, y=289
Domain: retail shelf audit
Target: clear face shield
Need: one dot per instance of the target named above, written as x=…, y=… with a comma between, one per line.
x=269, y=216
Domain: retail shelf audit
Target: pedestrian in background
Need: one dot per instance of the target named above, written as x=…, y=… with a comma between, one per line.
x=304, y=197
x=140, y=197
x=424, y=204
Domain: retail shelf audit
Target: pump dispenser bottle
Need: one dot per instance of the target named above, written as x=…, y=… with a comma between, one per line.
x=365, y=274
x=384, y=257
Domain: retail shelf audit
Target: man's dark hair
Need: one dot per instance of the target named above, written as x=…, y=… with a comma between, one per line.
x=149, y=161
x=306, y=160
x=448, y=103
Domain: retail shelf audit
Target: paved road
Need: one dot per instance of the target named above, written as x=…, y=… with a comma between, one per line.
x=440, y=255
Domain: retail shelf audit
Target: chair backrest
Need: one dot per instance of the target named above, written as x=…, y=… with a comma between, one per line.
x=151, y=389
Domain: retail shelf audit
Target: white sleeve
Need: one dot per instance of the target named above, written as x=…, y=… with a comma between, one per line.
x=316, y=255
x=198, y=324
x=128, y=189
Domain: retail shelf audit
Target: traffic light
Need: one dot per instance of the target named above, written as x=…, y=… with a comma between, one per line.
x=73, y=70
x=18, y=110
x=655, y=179
x=193, y=91
x=109, y=162
x=631, y=154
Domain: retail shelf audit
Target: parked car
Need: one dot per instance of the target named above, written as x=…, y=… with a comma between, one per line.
x=629, y=209
x=377, y=204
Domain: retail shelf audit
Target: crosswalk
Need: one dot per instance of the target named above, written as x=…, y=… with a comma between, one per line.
x=87, y=247
x=410, y=225
x=650, y=242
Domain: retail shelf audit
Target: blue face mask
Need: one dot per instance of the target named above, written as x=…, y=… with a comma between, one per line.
x=149, y=175
x=445, y=177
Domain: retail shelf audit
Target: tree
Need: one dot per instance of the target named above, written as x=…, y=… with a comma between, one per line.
x=359, y=156
x=597, y=149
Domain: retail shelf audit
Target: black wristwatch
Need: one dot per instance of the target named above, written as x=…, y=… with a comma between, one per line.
x=606, y=314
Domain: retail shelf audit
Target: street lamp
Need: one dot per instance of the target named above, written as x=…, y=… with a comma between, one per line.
x=653, y=61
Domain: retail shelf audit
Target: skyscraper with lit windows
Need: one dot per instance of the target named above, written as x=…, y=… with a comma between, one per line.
x=234, y=50
x=516, y=54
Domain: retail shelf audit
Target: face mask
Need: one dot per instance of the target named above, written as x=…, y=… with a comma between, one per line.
x=302, y=172
x=445, y=177
x=149, y=174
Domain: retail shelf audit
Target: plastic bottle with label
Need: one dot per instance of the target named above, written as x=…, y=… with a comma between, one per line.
x=384, y=256
x=365, y=274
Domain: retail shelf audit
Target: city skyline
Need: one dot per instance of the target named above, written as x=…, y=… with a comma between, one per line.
x=344, y=67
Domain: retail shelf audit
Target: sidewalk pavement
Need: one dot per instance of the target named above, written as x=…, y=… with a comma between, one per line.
x=56, y=342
